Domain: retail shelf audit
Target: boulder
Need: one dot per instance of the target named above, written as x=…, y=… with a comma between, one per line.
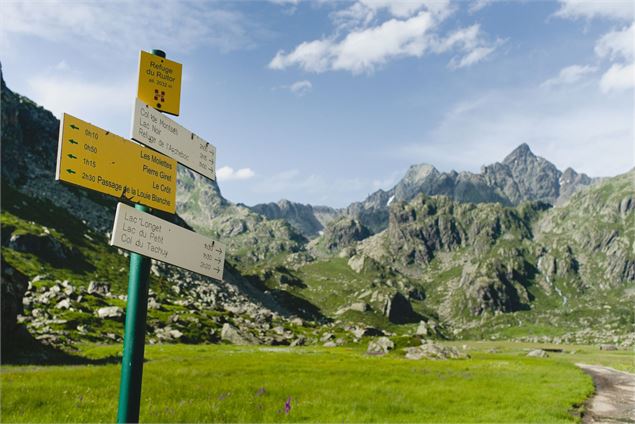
x=380, y=346
x=434, y=351
x=326, y=337
x=538, y=353
x=101, y=288
x=422, y=329
x=399, y=310
x=231, y=334
x=425, y=329
x=113, y=312
x=153, y=304
x=300, y=341
x=63, y=304
x=608, y=347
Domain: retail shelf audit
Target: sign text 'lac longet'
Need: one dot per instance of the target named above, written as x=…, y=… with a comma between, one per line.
x=161, y=133
x=91, y=157
x=156, y=238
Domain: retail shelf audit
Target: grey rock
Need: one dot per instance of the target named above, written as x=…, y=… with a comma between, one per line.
x=63, y=304
x=114, y=312
x=538, y=353
x=608, y=347
x=153, y=304
x=231, y=334
x=380, y=346
x=434, y=351
x=101, y=288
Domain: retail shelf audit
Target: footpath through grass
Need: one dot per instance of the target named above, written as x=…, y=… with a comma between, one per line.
x=208, y=383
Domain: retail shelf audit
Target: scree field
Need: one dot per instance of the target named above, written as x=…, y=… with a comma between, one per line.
x=220, y=383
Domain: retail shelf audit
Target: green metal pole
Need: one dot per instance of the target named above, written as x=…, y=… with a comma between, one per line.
x=134, y=337
x=134, y=332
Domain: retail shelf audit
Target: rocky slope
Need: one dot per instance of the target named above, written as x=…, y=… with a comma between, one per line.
x=308, y=220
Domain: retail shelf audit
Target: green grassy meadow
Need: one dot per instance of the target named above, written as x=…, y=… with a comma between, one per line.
x=222, y=383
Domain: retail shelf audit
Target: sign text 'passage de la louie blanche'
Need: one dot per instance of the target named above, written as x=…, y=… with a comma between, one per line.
x=99, y=160
x=155, y=130
x=156, y=238
x=160, y=83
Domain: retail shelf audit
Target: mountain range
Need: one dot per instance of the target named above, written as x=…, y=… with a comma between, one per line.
x=521, y=176
x=520, y=250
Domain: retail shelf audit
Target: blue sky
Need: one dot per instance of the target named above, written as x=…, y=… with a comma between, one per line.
x=325, y=102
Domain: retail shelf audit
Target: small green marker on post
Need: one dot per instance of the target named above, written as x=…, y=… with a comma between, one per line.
x=134, y=331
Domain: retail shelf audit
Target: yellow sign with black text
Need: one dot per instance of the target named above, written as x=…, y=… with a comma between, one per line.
x=160, y=83
x=99, y=160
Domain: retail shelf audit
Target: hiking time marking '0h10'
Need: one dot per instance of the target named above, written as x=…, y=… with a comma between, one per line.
x=155, y=130
x=99, y=160
x=156, y=238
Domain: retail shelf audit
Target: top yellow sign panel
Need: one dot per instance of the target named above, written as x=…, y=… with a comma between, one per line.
x=160, y=83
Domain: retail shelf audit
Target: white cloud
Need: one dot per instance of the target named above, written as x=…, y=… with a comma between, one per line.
x=227, y=173
x=617, y=44
x=570, y=75
x=300, y=88
x=363, y=49
x=579, y=127
x=589, y=9
x=475, y=56
x=477, y=5
x=95, y=101
x=618, y=77
x=175, y=26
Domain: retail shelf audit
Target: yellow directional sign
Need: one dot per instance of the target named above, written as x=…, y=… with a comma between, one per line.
x=160, y=83
x=90, y=157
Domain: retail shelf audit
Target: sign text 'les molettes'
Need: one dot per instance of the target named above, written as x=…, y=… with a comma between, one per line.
x=156, y=238
x=160, y=83
x=161, y=133
x=99, y=160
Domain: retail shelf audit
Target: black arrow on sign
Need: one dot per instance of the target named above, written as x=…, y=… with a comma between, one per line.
x=74, y=127
x=72, y=156
x=72, y=141
x=70, y=171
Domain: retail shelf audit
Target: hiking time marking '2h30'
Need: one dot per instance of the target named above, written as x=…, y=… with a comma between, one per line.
x=99, y=160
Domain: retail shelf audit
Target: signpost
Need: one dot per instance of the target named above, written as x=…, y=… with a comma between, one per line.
x=156, y=238
x=161, y=133
x=93, y=158
x=96, y=159
x=160, y=83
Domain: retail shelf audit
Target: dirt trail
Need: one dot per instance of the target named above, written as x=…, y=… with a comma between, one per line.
x=614, y=398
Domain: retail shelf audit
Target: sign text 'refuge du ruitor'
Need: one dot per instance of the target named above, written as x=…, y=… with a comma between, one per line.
x=160, y=83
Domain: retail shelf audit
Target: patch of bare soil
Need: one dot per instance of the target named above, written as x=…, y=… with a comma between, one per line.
x=614, y=398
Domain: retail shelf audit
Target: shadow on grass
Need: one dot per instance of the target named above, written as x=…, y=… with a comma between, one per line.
x=20, y=348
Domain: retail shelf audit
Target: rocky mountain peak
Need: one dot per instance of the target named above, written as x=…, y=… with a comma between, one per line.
x=419, y=172
x=521, y=153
